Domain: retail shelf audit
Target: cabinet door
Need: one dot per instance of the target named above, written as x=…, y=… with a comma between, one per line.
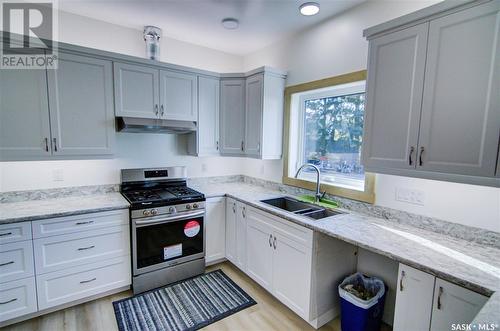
x=178, y=96
x=24, y=115
x=259, y=249
x=232, y=118
x=454, y=305
x=81, y=106
x=208, y=116
x=241, y=236
x=253, y=114
x=231, y=230
x=137, y=91
x=18, y=298
x=461, y=105
x=215, y=229
x=396, y=68
x=413, y=300
x=292, y=274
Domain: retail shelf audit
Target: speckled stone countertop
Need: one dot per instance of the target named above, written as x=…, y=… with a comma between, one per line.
x=61, y=206
x=471, y=265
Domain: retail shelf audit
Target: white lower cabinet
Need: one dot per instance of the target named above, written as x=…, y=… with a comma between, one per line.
x=413, y=300
x=17, y=298
x=16, y=261
x=260, y=250
x=454, y=304
x=215, y=229
x=236, y=233
x=425, y=302
x=72, y=284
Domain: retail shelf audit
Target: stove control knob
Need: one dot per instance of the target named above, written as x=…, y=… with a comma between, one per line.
x=154, y=211
x=188, y=206
x=195, y=205
x=146, y=212
x=171, y=210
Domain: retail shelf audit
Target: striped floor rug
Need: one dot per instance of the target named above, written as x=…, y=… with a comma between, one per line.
x=186, y=305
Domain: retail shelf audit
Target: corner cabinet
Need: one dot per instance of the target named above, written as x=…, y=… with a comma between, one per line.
x=49, y=113
x=148, y=92
x=252, y=114
x=433, y=110
x=215, y=229
x=236, y=233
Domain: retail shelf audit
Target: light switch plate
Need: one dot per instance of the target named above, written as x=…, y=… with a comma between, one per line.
x=408, y=195
x=58, y=175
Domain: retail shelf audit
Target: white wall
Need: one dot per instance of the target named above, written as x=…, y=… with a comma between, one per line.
x=336, y=46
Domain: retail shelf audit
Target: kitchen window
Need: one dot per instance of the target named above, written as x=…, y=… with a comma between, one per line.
x=325, y=127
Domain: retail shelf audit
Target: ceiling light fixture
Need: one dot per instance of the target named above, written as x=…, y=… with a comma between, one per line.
x=230, y=23
x=309, y=8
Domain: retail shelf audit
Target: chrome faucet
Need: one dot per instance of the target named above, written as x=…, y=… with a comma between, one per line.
x=318, y=195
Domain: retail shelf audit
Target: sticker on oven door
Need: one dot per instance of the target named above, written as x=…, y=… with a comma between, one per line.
x=192, y=228
x=172, y=251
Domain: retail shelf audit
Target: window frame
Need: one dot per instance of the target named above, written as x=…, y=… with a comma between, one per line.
x=368, y=195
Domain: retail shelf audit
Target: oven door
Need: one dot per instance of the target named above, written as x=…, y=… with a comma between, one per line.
x=162, y=241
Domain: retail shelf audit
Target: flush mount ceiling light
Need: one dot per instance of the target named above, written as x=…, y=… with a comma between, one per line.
x=230, y=23
x=309, y=8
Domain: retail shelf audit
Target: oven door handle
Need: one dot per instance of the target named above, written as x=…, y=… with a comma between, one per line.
x=171, y=218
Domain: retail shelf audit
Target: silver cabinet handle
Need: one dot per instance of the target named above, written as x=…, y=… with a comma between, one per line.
x=243, y=213
x=8, y=301
x=217, y=147
x=410, y=160
x=83, y=223
x=156, y=110
x=439, y=297
x=5, y=234
x=46, y=144
x=401, y=280
x=162, y=111
x=88, y=281
x=258, y=147
x=242, y=145
x=270, y=240
x=6, y=263
x=274, y=243
x=55, y=144
x=85, y=248
x=234, y=208
x=420, y=161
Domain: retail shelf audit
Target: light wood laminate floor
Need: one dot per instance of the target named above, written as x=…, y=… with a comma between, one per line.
x=267, y=314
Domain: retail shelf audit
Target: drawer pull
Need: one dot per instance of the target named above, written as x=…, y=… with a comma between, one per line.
x=5, y=234
x=87, y=281
x=8, y=301
x=85, y=248
x=6, y=263
x=83, y=223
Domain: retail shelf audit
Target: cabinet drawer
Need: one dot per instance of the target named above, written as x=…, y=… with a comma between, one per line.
x=71, y=250
x=16, y=261
x=68, y=285
x=17, y=298
x=295, y=232
x=70, y=224
x=13, y=232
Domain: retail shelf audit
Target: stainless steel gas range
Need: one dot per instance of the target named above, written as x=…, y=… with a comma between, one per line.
x=167, y=226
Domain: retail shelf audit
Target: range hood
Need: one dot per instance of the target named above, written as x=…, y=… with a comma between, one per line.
x=146, y=125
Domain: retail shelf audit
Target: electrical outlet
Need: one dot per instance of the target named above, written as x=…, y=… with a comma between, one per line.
x=204, y=167
x=412, y=196
x=262, y=169
x=58, y=175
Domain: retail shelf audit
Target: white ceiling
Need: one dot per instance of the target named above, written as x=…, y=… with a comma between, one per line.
x=262, y=22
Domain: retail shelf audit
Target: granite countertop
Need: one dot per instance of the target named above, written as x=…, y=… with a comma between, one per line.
x=30, y=210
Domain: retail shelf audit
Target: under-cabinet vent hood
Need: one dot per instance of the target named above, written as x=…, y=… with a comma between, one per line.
x=144, y=125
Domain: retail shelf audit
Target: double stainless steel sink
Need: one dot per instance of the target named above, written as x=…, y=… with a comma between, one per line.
x=301, y=208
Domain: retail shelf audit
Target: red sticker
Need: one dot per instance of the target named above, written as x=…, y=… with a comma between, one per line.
x=192, y=228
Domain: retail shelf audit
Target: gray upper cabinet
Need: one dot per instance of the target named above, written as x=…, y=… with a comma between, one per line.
x=24, y=115
x=178, y=96
x=394, y=92
x=137, y=90
x=433, y=107
x=460, y=125
x=253, y=114
x=81, y=106
x=232, y=117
